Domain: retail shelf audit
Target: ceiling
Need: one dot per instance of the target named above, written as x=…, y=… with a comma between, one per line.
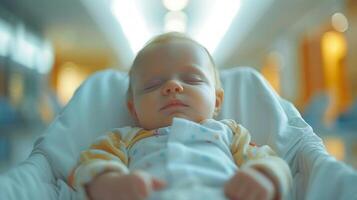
x=88, y=25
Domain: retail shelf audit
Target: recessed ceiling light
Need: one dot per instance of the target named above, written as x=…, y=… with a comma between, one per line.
x=339, y=22
x=175, y=5
x=175, y=21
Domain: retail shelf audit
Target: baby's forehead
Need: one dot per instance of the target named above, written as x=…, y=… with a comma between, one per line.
x=171, y=49
x=181, y=53
x=170, y=53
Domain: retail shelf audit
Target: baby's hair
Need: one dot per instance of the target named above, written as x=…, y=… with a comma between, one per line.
x=166, y=38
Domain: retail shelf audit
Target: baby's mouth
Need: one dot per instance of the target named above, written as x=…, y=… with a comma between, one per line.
x=173, y=103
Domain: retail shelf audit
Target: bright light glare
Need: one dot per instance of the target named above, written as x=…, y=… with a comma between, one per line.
x=25, y=52
x=217, y=21
x=69, y=79
x=44, y=59
x=339, y=22
x=5, y=38
x=175, y=21
x=131, y=22
x=175, y=5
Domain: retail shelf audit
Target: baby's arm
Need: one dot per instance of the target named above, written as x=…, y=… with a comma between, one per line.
x=102, y=172
x=249, y=184
x=257, y=182
x=114, y=185
x=261, y=171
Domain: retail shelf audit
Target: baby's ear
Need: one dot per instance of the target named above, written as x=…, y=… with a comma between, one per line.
x=219, y=98
x=131, y=109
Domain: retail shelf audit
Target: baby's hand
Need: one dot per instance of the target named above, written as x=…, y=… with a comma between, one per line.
x=114, y=185
x=249, y=184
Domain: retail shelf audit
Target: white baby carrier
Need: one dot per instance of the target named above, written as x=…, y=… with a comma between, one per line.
x=100, y=105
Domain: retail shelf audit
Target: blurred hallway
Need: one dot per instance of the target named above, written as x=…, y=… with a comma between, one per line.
x=305, y=49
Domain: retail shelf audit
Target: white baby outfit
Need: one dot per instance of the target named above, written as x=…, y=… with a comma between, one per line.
x=195, y=159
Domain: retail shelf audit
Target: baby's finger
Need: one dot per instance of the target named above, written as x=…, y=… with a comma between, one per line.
x=232, y=189
x=143, y=183
x=148, y=183
x=157, y=184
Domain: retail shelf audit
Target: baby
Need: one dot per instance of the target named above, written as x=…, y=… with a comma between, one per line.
x=177, y=150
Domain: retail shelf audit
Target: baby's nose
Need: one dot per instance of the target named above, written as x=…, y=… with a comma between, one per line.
x=172, y=86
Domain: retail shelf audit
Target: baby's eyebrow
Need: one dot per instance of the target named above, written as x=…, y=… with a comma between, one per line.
x=198, y=69
x=194, y=68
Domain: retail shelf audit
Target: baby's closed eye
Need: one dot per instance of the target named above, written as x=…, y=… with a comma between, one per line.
x=192, y=79
x=152, y=84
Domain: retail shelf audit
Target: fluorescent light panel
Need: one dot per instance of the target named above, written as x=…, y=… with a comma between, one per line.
x=131, y=22
x=211, y=31
x=216, y=23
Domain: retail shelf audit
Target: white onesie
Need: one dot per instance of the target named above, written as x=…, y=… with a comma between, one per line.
x=195, y=159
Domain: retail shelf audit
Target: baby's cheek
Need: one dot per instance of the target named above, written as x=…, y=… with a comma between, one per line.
x=146, y=106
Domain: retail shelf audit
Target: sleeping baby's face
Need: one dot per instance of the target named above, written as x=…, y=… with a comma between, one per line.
x=173, y=79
